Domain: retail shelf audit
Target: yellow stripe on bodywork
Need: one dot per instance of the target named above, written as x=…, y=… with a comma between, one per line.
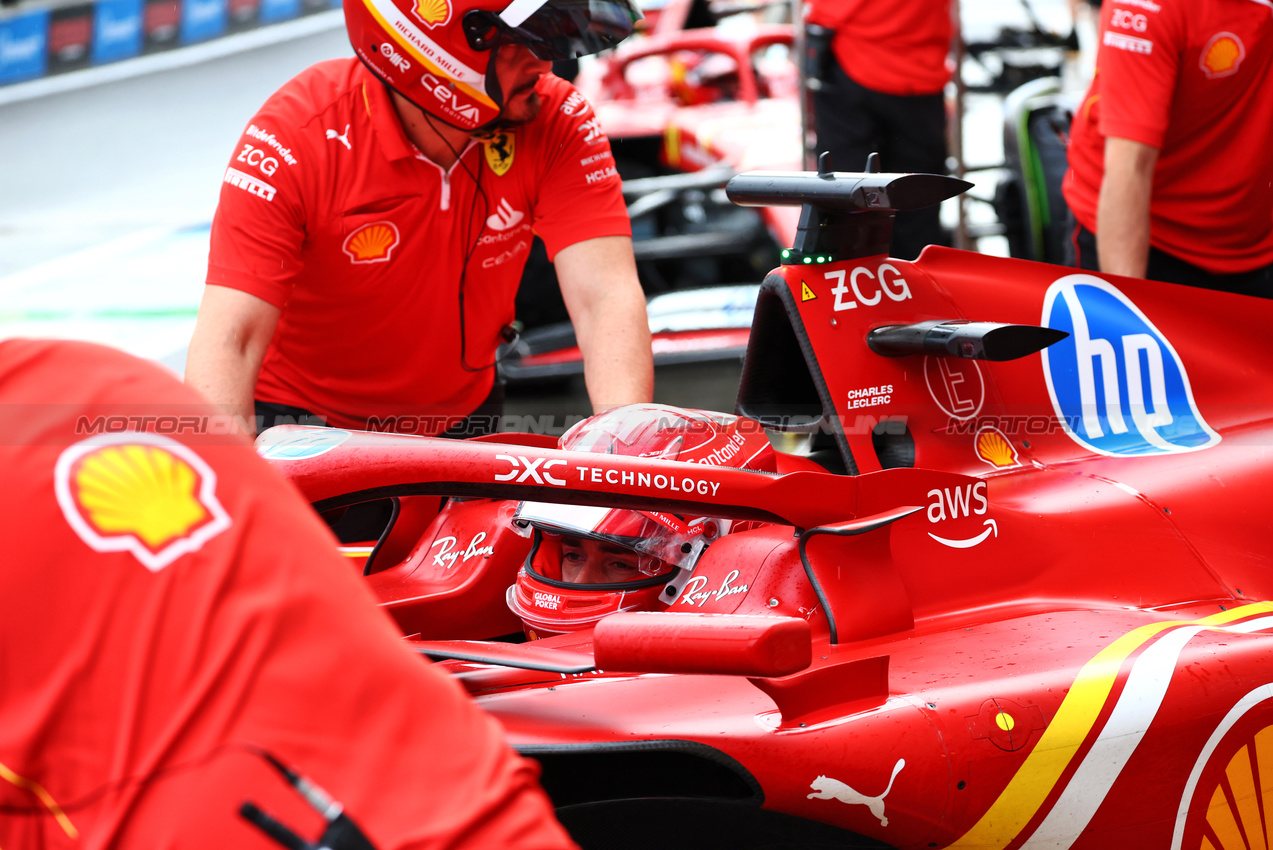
x=44, y=796
x=1036, y=778
x=476, y=94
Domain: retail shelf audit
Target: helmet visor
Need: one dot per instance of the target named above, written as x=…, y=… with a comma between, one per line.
x=555, y=29
x=662, y=540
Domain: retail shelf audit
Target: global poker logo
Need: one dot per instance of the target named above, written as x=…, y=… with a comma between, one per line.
x=1116, y=383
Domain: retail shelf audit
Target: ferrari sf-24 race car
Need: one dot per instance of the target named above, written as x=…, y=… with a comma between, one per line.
x=1010, y=593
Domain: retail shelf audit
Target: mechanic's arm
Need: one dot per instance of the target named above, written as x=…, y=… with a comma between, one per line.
x=607, y=307
x=231, y=334
x=1122, y=213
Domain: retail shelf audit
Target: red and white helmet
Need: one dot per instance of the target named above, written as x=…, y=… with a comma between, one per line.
x=588, y=562
x=439, y=54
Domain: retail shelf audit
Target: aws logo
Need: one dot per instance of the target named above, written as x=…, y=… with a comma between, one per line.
x=372, y=243
x=1222, y=55
x=141, y=493
x=966, y=501
x=1117, y=385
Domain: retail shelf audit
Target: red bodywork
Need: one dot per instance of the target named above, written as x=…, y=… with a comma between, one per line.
x=1033, y=638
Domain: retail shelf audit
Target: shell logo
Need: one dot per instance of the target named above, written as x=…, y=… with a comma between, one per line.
x=1231, y=814
x=372, y=243
x=1222, y=55
x=140, y=493
x=995, y=449
x=1229, y=794
x=433, y=13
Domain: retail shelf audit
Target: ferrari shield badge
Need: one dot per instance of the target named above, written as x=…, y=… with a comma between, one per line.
x=1116, y=383
x=499, y=152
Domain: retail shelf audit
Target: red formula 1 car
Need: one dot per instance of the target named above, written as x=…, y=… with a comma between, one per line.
x=1010, y=596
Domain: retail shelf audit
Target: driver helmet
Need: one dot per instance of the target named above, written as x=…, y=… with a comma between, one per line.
x=587, y=562
x=439, y=54
x=696, y=79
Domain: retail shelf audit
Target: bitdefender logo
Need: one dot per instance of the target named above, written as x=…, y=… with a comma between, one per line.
x=504, y=216
x=1117, y=385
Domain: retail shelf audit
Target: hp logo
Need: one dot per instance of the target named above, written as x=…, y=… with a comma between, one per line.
x=1115, y=382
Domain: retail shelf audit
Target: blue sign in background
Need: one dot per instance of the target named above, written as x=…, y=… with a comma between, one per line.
x=202, y=19
x=24, y=46
x=1121, y=372
x=117, y=30
x=279, y=10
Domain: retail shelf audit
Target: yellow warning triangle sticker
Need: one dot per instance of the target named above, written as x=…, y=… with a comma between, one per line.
x=806, y=294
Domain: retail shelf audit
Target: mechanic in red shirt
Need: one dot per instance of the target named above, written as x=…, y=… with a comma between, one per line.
x=1170, y=175
x=376, y=215
x=879, y=89
x=173, y=616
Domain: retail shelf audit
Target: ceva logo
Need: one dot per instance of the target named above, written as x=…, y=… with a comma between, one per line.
x=1116, y=383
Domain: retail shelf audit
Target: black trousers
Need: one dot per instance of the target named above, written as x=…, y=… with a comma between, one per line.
x=484, y=420
x=907, y=131
x=1080, y=252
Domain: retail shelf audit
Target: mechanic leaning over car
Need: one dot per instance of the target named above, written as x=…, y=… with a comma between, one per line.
x=1170, y=175
x=879, y=71
x=376, y=215
x=588, y=562
x=178, y=625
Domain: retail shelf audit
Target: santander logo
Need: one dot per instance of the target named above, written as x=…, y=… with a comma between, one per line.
x=504, y=217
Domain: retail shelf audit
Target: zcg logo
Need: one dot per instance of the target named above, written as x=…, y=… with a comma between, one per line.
x=531, y=469
x=253, y=155
x=890, y=283
x=1129, y=20
x=1116, y=383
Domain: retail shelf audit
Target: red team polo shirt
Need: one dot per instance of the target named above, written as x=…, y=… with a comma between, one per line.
x=167, y=604
x=897, y=47
x=329, y=213
x=1191, y=78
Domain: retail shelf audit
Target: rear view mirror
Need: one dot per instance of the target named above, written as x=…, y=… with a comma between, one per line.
x=724, y=644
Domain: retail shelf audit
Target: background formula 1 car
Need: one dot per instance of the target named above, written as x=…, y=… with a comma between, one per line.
x=1013, y=596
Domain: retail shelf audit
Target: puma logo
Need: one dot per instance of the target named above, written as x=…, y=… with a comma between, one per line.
x=344, y=139
x=826, y=788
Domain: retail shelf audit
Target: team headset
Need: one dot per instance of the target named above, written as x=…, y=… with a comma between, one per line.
x=511, y=332
x=570, y=30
